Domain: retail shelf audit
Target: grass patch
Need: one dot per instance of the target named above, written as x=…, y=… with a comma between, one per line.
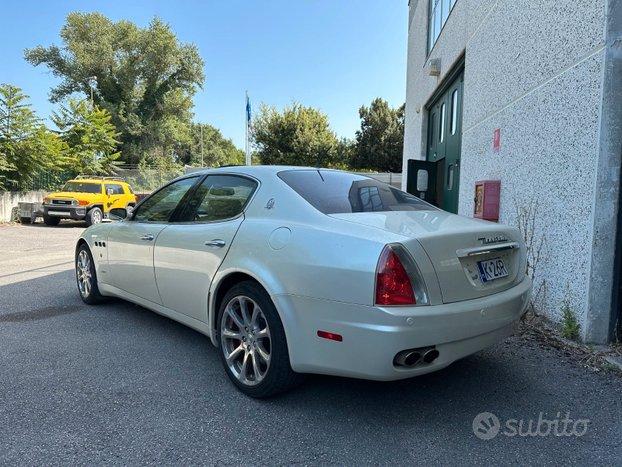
x=570, y=325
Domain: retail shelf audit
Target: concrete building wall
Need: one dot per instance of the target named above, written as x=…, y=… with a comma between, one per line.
x=534, y=70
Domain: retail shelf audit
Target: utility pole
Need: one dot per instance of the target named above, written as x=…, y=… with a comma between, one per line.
x=92, y=84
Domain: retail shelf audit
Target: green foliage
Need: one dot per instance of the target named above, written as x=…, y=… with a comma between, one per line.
x=217, y=150
x=380, y=141
x=144, y=77
x=570, y=325
x=90, y=137
x=297, y=136
x=27, y=148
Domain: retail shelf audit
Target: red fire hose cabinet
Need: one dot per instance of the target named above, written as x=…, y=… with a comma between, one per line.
x=487, y=197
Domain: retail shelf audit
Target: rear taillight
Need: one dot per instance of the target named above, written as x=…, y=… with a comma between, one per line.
x=398, y=279
x=393, y=285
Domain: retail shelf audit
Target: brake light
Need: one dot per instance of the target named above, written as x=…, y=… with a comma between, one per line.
x=83, y=202
x=393, y=286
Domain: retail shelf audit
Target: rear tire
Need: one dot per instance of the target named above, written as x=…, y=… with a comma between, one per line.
x=94, y=216
x=260, y=334
x=86, y=276
x=51, y=221
x=25, y=220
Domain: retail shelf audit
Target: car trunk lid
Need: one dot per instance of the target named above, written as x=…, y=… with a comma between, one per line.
x=463, y=251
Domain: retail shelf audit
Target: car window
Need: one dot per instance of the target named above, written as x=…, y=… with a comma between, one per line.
x=160, y=205
x=219, y=197
x=116, y=189
x=333, y=192
x=81, y=187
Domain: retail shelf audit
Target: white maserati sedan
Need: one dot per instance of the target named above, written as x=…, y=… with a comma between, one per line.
x=295, y=270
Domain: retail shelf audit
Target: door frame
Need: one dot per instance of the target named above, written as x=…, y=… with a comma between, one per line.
x=456, y=72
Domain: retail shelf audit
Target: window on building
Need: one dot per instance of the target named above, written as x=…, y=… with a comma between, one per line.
x=454, y=112
x=438, y=13
x=441, y=130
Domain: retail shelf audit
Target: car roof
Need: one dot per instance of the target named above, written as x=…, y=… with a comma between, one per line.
x=256, y=170
x=97, y=180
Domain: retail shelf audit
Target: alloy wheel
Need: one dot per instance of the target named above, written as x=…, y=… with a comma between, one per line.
x=83, y=273
x=245, y=340
x=97, y=217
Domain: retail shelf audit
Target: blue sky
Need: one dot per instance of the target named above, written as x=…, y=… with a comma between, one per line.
x=331, y=54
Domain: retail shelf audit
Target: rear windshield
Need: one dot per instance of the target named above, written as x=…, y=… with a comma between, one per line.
x=333, y=192
x=79, y=187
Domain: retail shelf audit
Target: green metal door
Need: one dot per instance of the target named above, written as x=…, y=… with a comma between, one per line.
x=444, y=141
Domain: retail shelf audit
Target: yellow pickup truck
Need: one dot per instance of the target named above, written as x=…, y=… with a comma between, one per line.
x=87, y=198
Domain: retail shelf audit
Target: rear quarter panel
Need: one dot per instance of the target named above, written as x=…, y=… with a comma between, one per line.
x=299, y=259
x=327, y=262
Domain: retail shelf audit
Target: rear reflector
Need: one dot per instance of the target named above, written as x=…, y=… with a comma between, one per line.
x=329, y=335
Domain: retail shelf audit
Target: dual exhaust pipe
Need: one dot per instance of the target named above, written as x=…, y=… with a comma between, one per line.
x=415, y=357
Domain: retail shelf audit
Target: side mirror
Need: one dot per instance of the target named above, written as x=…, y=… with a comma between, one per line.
x=118, y=214
x=422, y=180
x=109, y=191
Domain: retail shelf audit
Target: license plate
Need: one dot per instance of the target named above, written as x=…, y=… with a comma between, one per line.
x=491, y=269
x=58, y=213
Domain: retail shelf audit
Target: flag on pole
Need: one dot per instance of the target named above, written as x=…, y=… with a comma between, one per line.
x=248, y=110
x=248, y=126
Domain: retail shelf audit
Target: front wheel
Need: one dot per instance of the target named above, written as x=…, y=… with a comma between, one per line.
x=94, y=216
x=86, y=276
x=253, y=347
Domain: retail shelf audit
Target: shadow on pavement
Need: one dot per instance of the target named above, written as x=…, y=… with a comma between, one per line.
x=62, y=225
x=137, y=372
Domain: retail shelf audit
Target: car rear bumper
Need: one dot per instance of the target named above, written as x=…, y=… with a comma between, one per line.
x=65, y=212
x=372, y=336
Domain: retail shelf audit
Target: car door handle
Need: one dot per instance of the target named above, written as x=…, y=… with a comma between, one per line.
x=147, y=238
x=216, y=243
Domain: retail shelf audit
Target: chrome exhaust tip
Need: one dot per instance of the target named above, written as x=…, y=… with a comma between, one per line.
x=430, y=355
x=411, y=358
x=408, y=358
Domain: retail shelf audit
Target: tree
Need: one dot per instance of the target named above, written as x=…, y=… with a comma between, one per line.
x=217, y=150
x=297, y=136
x=27, y=147
x=144, y=77
x=380, y=141
x=90, y=137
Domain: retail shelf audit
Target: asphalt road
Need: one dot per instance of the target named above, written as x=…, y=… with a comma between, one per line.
x=118, y=384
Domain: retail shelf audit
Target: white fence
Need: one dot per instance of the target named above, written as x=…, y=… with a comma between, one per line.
x=9, y=200
x=393, y=179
